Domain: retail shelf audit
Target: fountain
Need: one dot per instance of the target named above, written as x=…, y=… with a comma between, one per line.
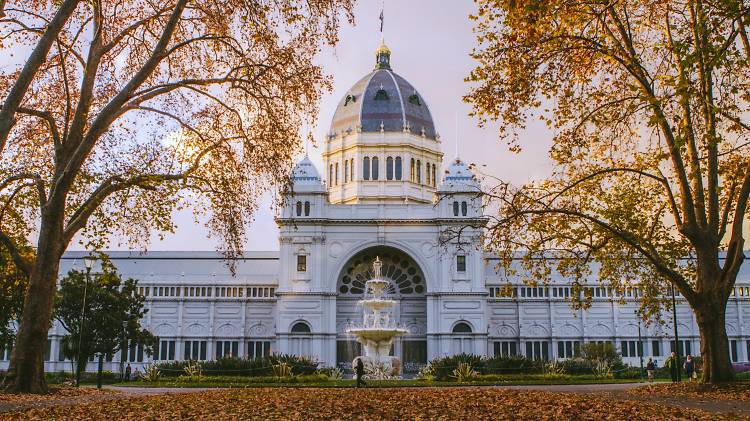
x=378, y=330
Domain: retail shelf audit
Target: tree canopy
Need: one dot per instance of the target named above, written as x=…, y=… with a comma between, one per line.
x=647, y=101
x=113, y=311
x=124, y=111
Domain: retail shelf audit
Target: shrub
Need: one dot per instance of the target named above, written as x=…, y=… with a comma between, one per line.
x=603, y=370
x=282, y=370
x=604, y=352
x=515, y=364
x=333, y=373
x=578, y=366
x=464, y=372
x=628, y=373
x=151, y=373
x=300, y=365
x=554, y=368
x=442, y=367
x=261, y=366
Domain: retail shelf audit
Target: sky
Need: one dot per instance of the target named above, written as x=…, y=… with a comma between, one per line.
x=430, y=44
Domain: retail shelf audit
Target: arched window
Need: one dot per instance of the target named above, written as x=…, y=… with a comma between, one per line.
x=330, y=175
x=455, y=208
x=302, y=327
x=301, y=341
x=411, y=176
x=434, y=184
x=307, y=208
x=389, y=168
x=462, y=327
x=427, y=177
x=337, y=173
x=351, y=169
x=346, y=171
x=419, y=171
x=464, y=208
x=366, y=168
x=374, y=167
x=299, y=208
x=398, y=168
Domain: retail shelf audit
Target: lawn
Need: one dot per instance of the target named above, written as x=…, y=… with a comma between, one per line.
x=371, y=404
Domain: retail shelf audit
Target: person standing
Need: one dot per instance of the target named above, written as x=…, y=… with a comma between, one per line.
x=650, y=368
x=689, y=367
x=359, y=370
x=674, y=366
x=127, y=372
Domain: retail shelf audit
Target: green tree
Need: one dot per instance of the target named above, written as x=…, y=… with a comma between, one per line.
x=648, y=104
x=124, y=111
x=12, y=288
x=112, y=312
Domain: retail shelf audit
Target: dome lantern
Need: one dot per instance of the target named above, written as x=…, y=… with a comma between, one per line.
x=382, y=57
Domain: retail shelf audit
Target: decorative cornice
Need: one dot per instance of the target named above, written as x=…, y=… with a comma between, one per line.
x=306, y=293
x=383, y=221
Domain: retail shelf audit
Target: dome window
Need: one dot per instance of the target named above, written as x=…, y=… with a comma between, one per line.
x=414, y=99
x=381, y=95
x=350, y=98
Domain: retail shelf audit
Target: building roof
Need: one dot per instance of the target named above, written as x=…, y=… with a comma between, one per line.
x=305, y=177
x=383, y=101
x=460, y=178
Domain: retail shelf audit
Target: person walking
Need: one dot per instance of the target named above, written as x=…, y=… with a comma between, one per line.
x=127, y=372
x=650, y=368
x=674, y=366
x=359, y=370
x=689, y=367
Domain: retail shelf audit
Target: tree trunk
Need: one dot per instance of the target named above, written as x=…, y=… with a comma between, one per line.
x=26, y=369
x=81, y=368
x=717, y=365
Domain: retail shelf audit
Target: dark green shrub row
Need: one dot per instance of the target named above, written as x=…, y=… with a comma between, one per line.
x=442, y=367
x=261, y=366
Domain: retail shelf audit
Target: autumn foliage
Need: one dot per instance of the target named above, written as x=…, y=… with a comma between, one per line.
x=369, y=404
x=122, y=111
x=647, y=101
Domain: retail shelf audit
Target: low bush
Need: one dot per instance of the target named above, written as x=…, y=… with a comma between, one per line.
x=258, y=367
x=237, y=380
x=441, y=368
x=577, y=366
x=515, y=364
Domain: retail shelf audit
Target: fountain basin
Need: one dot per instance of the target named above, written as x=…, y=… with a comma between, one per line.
x=377, y=303
x=377, y=334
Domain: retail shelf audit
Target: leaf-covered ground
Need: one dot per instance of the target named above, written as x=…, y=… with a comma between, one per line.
x=370, y=404
x=724, y=392
x=56, y=393
x=57, y=396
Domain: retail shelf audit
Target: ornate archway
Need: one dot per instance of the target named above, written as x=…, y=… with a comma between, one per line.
x=408, y=287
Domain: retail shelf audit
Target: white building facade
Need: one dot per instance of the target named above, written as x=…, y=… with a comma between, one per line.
x=381, y=194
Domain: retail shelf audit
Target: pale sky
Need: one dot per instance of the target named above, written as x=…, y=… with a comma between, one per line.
x=430, y=43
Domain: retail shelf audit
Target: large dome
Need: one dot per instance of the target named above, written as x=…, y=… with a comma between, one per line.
x=383, y=101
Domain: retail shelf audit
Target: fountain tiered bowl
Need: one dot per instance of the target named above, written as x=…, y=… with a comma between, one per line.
x=377, y=331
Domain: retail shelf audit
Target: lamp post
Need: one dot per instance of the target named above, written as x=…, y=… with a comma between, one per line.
x=124, y=351
x=676, y=336
x=640, y=345
x=89, y=262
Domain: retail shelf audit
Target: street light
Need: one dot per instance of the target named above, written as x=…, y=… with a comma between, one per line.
x=676, y=336
x=88, y=261
x=124, y=351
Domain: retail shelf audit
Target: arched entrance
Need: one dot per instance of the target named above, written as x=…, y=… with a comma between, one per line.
x=408, y=287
